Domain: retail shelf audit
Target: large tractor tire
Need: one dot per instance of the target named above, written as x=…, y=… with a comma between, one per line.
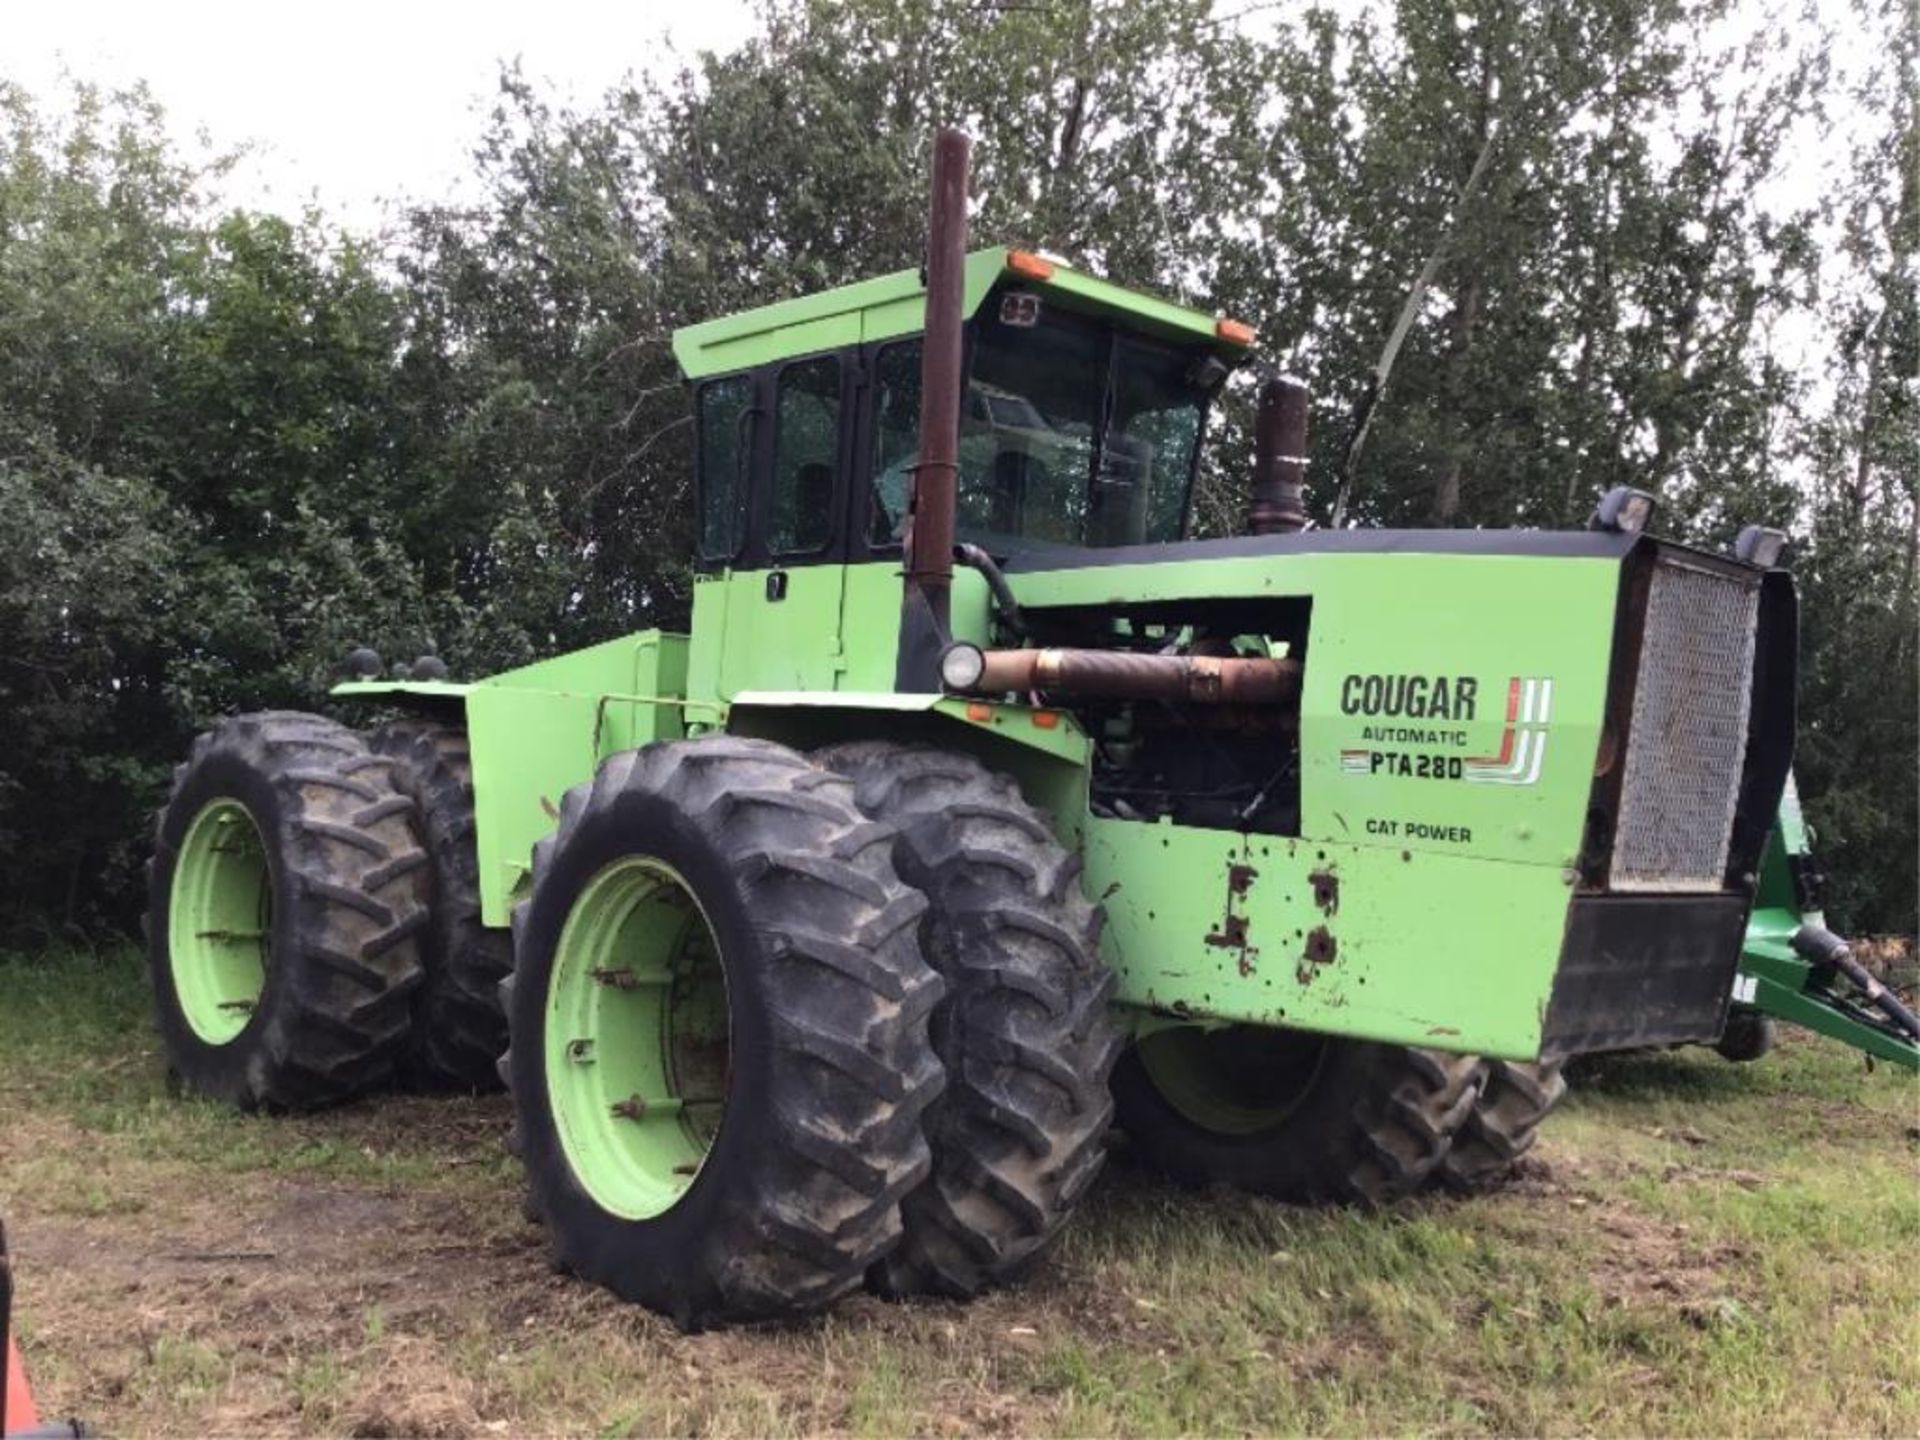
x=459, y=1028
x=286, y=900
x=1024, y=1032
x=1514, y=1098
x=718, y=1011
x=1299, y=1117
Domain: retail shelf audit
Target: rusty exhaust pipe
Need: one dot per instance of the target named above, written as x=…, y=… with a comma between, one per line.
x=1121, y=675
x=1277, y=505
x=928, y=545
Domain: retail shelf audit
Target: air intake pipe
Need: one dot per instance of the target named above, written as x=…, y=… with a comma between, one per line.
x=1278, y=504
x=1123, y=675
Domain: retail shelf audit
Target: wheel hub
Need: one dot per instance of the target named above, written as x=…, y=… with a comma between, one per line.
x=1238, y=1080
x=220, y=921
x=637, y=1038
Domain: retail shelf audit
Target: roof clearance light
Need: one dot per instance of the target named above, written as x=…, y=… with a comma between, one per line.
x=961, y=666
x=1235, y=332
x=1029, y=265
x=1622, y=509
x=1757, y=545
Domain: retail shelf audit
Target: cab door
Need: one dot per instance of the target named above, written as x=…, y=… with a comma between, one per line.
x=784, y=601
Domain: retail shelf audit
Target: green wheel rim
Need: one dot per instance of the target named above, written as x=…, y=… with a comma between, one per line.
x=1239, y=1080
x=637, y=1038
x=220, y=921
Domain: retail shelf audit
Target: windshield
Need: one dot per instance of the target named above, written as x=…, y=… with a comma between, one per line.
x=1071, y=433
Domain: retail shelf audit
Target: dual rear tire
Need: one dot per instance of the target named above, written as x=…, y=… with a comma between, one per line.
x=1317, y=1119
x=287, y=902
x=314, y=914
x=719, y=1015
x=833, y=942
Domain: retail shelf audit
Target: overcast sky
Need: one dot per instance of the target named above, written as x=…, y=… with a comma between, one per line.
x=349, y=102
x=353, y=103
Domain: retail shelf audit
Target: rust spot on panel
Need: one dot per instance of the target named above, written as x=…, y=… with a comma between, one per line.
x=1326, y=889
x=1321, y=948
x=1443, y=1030
x=1231, y=932
x=552, y=810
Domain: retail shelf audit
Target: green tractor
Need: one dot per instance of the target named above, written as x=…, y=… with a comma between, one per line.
x=817, y=947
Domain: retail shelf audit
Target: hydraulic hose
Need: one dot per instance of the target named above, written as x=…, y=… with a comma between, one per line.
x=1008, y=608
x=1823, y=947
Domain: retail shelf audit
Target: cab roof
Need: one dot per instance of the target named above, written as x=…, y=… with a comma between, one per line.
x=895, y=305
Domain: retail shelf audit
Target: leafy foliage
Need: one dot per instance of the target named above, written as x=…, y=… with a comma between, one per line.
x=231, y=445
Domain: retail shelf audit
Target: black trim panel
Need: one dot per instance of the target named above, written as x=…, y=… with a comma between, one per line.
x=1640, y=970
x=1576, y=544
x=1771, y=727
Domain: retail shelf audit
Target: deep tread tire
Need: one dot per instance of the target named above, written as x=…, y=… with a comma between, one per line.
x=1515, y=1097
x=349, y=890
x=1374, y=1124
x=828, y=1001
x=459, y=1029
x=1025, y=1032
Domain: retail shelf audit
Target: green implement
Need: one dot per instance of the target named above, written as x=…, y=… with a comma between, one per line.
x=1790, y=968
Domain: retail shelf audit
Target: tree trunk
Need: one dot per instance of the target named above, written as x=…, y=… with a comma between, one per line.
x=1858, y=491
x=1466, y=314
x=1460, y=325
x=1066, y=160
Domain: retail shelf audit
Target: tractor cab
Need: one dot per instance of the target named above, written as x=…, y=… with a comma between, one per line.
x=1080, y=425
x=1081, y=419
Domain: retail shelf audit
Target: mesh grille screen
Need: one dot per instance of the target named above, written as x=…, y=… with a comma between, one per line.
x=1688, y=740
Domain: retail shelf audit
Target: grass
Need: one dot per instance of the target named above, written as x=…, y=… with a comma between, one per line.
x=1701, y=1248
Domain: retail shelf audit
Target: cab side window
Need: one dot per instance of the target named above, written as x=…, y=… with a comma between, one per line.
x=724, y=408
x=806, y=453
x=896, y=439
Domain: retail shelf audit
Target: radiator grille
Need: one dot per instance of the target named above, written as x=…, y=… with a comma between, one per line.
x=1687, y=742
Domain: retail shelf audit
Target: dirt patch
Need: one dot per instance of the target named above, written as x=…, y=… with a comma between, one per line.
x=1645, y=1260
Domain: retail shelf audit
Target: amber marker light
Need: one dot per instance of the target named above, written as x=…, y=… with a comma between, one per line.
x=1028, y=265
x=1235, y=332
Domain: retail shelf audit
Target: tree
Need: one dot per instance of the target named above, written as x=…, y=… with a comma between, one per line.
x=197, y=481
x=1861, y=596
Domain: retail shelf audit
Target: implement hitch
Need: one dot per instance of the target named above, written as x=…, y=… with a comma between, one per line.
x=1798, y=980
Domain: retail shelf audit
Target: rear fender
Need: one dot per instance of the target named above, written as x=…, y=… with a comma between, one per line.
x=1045, y=751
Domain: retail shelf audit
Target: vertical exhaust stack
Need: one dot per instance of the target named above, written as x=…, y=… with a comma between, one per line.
x=1278, y=504
x=925, y=607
